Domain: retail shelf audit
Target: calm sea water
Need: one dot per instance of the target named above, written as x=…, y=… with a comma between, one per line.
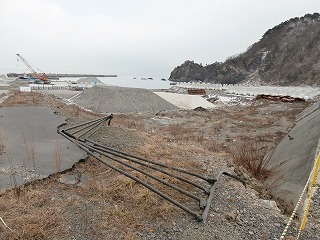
x=133, y=81
x=136, y=82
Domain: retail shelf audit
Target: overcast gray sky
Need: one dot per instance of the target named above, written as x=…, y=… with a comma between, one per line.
x=132, y=37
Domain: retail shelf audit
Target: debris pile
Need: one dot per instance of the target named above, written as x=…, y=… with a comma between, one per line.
x=280, y=98
x=196, y=91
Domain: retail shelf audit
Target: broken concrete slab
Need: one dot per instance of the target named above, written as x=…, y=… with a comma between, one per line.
x=32, y=148
x=70, y=179
x=293, y=159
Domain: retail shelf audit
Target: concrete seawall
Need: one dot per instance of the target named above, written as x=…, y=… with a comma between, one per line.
x=293, y=159
x=305, y=92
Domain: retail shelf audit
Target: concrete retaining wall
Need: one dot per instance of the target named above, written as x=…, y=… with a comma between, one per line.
x=293, y=159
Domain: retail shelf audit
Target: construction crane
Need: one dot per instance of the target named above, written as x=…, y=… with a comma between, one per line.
x=41, y=76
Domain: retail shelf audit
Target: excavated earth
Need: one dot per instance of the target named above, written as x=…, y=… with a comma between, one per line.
x=90, y=201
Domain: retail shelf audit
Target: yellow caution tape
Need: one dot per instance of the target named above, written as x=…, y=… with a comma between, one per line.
x=313, y=185
x=314, y=172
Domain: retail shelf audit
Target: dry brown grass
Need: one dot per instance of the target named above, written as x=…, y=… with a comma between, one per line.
x=18, y=99
x=6, y=152
x=183, y=133
x=251, y=156
x=57, y=156
x=32, y=215
x=127, y=205
x=214, y=145
x=129, y=121
x=158, y=148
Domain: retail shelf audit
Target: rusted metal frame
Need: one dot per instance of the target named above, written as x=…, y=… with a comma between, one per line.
x=206, y=190
x=156, y=163
x=144, y=172
x=211, y=195
x=165, y=196
x=82, y=124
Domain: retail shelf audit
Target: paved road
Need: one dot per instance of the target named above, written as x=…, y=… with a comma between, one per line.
x=28, y=145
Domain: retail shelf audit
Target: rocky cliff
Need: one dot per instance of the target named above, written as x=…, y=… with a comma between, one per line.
x=288, y=54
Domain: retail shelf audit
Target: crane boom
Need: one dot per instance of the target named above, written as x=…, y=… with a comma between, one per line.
x=40, y=76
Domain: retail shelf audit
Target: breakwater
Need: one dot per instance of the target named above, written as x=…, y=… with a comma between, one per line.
x=59, y=75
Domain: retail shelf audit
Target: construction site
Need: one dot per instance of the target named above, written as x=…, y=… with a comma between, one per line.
x=87, y=160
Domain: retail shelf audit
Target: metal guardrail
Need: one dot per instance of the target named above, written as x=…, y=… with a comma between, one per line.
x=203, y=188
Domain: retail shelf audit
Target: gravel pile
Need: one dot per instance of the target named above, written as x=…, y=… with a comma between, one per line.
x=113, y=99
x=90, y=81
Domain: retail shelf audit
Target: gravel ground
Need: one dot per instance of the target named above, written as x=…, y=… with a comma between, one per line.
x=237, y=212
x=201, y=137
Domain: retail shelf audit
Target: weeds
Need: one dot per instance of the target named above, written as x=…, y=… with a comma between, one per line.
x=251, y=156
x=28, y=140
x=147, y=196
x=213, y=145
x=57, y=156
x=36, y=217
x=200, y=138
x=8, y=155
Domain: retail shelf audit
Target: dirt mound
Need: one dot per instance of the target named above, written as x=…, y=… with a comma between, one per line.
x=121, y=100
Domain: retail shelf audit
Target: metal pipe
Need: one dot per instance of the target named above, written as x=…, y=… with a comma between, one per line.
x=97, y=129
x=145, y=173
x=153, y=162
x=96, y=125
x=155, y=168
x=212, y=189
x=210, y=198
x=88, y=125
x=94, y=149
x=79, y=125
x=199, y=218
x=235, y=177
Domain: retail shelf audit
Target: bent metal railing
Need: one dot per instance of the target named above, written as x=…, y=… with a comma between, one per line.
x=124, y=163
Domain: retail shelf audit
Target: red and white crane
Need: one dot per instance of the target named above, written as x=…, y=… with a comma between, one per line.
x=41, y=76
